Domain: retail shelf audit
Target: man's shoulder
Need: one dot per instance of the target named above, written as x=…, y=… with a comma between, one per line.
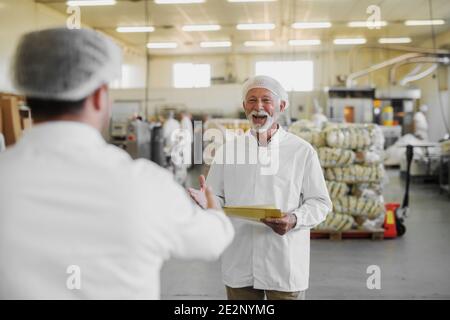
x=298, y=143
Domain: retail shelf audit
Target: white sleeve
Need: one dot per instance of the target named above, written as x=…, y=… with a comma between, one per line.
x=198, y=233
x=179, y=227
x=215, y=178
x=316, y=203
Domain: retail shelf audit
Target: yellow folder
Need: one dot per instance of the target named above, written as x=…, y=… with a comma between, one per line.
x=254, y=212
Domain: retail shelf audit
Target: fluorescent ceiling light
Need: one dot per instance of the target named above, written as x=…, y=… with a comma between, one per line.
x=201, y=27
x=178, y=1
x=306, y=42
x=394, y=40
x=311, y=25
x=349, y=41
x=424, y=22
x=367, y=24
x=135, y=29
x=215, y=44
x=162, y=45
x=255, y=26
x=81, y=3
x=258, y=43
x=252, y=0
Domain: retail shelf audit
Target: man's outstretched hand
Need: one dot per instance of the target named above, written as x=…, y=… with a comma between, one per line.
x=281, y=225
x=204, y=197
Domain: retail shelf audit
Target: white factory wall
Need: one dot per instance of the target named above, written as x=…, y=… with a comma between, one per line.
x=435, y=93
x=21, y=16
x=16, y=18
x=224, y=99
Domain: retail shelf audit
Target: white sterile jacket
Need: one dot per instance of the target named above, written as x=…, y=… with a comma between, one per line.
x=79, y=219
x=288, y=175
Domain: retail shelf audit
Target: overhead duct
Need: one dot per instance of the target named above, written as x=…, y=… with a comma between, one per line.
x=414, y=75
x=351, y=78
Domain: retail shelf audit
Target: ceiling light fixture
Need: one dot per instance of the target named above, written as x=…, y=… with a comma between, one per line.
x=311, y=25
x=258, y=43
x=85, y=3
x=162, y=45
x=135, y=29
x=215, y=44
x=235, y=1
x=305, y=42
x=178, y=1
x=344, y=41
x=255, y=26
x=394, y=40
x=424, y=22
x=367, y=24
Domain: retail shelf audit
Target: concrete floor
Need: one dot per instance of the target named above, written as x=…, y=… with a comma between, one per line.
x=416, y=266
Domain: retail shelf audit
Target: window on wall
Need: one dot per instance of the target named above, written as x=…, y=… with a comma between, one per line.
x=293, y=75
x=190, y=75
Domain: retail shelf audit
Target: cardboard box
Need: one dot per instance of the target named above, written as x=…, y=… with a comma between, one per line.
x=12, y=129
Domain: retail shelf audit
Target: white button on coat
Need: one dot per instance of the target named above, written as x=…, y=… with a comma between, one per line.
x=69, y=199
x=258, y=256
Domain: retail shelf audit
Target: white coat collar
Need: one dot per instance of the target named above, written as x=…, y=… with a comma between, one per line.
x=62, y=131
x=279, y=135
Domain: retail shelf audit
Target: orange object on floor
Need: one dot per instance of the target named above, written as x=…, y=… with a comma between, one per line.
x=390, y=228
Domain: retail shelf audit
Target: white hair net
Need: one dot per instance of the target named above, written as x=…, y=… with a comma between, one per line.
x=268, y=83
x=63, y=64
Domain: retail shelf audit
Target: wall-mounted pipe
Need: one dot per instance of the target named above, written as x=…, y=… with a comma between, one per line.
x=393, y=71
x=354, y=51
x=418, y=76
x=414, y=71
x=351, y=77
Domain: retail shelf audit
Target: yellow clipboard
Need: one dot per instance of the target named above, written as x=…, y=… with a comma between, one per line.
x=254, y=212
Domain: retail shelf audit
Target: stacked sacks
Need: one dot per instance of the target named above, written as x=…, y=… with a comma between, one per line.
x=358, y=206
x=337, y=189
x=355, y=173
x=332, y=157
x=308, y=132
x=336, y=222
x=346, y=136
x=351, y=157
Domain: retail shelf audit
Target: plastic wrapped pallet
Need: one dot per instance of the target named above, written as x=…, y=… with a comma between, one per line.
x=351, y=156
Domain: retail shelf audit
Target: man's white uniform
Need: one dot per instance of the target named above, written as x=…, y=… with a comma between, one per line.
x=67, y=198
x=259, y=257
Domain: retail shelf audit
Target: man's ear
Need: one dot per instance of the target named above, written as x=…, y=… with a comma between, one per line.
x=282, y=105
x=99, y=97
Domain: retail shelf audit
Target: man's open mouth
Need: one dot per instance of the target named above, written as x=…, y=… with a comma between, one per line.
x=259, y=120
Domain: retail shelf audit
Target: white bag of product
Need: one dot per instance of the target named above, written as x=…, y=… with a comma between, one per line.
x=336, y=222
x=2, y=143
x=359, y=206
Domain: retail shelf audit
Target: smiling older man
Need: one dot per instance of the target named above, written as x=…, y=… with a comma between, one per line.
x=271, y=258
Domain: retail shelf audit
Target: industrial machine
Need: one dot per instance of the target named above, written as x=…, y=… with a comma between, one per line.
x=402, y=100
x=351, y=105
x=134, y=136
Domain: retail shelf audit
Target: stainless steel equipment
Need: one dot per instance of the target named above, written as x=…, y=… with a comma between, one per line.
x=133, y=136
x=351, y=105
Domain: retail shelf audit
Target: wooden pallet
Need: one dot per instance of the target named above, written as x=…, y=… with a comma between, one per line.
x=377, y=234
